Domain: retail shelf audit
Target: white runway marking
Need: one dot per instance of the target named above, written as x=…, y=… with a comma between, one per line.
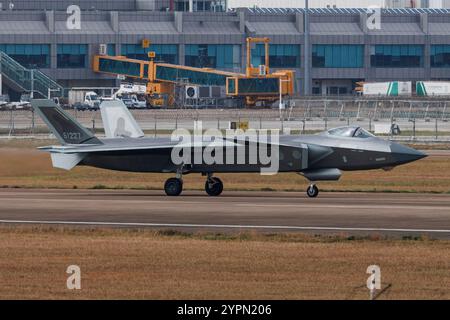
x=349, y=206
x=224, y=226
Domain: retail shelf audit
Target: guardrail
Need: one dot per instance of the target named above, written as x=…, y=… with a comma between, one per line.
x=163, y=122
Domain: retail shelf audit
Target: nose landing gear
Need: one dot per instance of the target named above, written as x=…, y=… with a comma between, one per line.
x=312, y=191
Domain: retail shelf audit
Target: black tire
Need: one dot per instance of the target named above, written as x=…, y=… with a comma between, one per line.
x=312, y=191
x=173, y=187
x=214, y=187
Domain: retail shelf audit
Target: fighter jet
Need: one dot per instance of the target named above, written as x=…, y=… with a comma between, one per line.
x=319, y=157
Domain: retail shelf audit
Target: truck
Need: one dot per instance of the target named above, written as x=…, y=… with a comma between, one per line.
x=132, y=101
x=84, y=100
x=393, y=88
x=132, y=95
x=433, y=88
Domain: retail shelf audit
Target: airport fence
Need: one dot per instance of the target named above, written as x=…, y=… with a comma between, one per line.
x=411, y=120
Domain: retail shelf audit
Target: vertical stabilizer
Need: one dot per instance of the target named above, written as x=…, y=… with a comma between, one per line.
x=66, y=129
x=118, y=120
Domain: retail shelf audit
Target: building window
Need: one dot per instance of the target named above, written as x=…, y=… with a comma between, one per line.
x=280, y=55
x=222, y=56
x=32, y=56
x=440, y=56
x=181, y=6
x=111, y=49
x=200, y=5
x=337, y=56
x=396, y=56
x=72, y=55
x=316, y=91
x=167, y=53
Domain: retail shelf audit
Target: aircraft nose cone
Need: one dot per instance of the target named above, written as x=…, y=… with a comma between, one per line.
x=404, y=154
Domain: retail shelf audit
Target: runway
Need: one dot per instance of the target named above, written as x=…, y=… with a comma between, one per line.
x=352, y=213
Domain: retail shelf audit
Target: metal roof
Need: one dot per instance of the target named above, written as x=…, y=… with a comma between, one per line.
x=282, y=28
x=346, y=10
x=211, y=28
x=140, y=27
x=87, y=27
x=23, y=27
x=438, y=28
x=336, y=28
x=405, y=28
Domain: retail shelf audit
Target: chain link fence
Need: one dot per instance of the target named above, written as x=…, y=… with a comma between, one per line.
x=411, y=120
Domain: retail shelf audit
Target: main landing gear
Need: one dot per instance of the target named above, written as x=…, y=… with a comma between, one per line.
x=174, y=186
x=312, y=191
x=213, y=186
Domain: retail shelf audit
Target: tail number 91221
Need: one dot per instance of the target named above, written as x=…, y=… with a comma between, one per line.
x=72, y=135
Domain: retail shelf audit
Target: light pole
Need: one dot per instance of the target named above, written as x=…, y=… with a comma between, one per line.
x=32, y=84
x=307, y=49
x=33, y=68
x=1, y=82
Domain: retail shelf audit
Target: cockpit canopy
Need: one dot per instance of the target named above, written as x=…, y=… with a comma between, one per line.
x=350, y=132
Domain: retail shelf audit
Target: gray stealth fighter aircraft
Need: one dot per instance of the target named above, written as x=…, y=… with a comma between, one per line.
x=318, y=157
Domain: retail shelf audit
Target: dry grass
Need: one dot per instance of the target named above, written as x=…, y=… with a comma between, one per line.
x=430, y=146
x=148, y=265
x=26, y=167
x=144, y=264
x=26, y=143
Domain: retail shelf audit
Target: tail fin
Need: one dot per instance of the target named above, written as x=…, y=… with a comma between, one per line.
x=118, y=120
x=66, y=129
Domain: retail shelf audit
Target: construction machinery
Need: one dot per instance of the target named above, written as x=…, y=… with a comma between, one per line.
x=256, y=87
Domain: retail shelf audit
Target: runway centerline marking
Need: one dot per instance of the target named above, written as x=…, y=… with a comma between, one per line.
x=221, y=226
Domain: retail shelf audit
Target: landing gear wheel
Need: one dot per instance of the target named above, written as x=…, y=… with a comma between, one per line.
x=214, y=187
x=312, y=191
x=173, y=187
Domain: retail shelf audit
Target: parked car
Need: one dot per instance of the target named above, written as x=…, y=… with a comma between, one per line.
x=4, y=102
x=81, y=106
x=23, y=104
